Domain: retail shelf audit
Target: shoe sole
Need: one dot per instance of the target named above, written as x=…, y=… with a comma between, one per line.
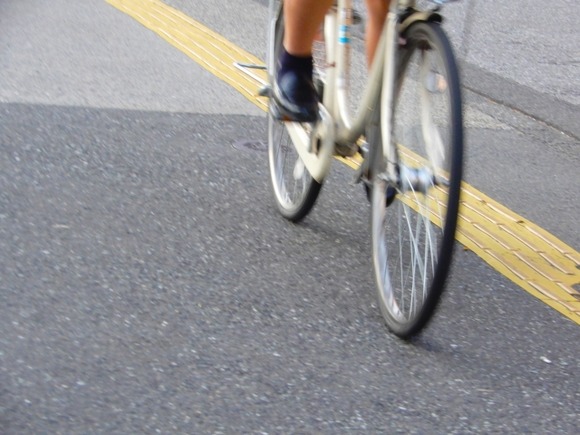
x=280, y=111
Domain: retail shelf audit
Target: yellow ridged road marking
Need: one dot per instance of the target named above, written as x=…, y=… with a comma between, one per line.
x=529, y=256
x=208, y=48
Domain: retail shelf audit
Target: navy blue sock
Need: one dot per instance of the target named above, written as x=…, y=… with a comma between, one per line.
x=289, y=62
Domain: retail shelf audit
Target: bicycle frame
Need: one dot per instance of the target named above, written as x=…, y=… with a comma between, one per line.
x=336, y=125
x=411, y=105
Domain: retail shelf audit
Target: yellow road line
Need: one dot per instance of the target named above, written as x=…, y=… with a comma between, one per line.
x=529, y=256
x=208, y=48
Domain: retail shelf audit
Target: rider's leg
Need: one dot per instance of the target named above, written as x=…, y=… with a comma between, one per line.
x=377, y=12
x=294, y=90
x=303, y=19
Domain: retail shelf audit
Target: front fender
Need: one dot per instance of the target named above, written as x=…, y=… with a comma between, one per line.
x=414, y=16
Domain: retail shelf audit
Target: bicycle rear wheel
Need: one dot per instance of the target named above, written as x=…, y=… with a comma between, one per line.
x=295, y=191
x=413, y=238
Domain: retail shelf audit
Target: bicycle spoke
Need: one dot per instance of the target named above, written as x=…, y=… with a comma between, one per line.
x=295, y=191
x=416, y=247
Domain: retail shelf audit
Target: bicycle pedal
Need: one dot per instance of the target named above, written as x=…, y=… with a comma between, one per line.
x=277, y=115
x=356, y=17
x=251, y=66
x=347, y=150
x=265, y=91
x=360, y=175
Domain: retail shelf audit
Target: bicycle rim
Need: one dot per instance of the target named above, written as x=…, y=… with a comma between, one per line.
x=413, y=238
x=295, y=191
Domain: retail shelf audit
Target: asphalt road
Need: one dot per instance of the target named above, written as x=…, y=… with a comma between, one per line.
x=147, y=284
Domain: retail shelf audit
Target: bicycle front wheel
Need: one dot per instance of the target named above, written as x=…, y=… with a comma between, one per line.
x=413, y=238
x=295, y=191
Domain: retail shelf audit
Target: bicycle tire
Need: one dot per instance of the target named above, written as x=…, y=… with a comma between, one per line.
x=295, y=191
x=422, y=220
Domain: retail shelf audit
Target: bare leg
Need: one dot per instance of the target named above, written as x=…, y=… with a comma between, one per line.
x=294, y=92
x=304, y=17
x=377, y=12
x=302, y=20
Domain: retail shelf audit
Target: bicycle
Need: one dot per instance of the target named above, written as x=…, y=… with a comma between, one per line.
x=411, y=159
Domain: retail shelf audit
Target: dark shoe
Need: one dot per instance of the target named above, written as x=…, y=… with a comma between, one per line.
x=295, y=97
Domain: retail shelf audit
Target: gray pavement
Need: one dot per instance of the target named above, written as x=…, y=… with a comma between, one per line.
x=536, y=46
x=147, y=284
x=522, y=55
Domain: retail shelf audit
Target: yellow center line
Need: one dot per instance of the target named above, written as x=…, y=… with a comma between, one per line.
x=528, y=255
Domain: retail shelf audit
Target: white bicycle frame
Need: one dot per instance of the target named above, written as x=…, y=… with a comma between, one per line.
x=316, y=147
